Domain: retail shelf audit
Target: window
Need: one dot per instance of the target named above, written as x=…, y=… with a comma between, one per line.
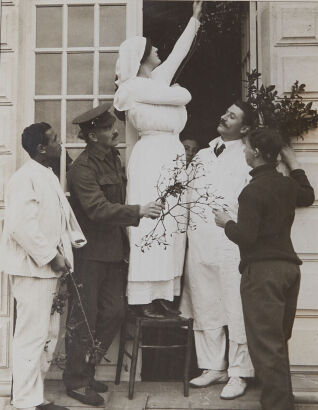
x=76, y=50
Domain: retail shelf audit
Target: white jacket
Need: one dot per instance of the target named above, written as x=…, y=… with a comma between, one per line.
x=226, y=176
x=211, y=293
x=38, y=218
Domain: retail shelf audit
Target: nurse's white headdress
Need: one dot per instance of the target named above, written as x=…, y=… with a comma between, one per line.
x=131, y=52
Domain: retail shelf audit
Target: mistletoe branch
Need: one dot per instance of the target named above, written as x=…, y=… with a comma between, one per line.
x=183, y=199
x=218, y=19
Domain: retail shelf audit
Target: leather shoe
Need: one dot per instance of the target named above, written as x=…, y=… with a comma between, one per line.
x=235, y=387
x=89, y=396
x=209, y=377
x=150, y=312
x=51, y=406
x=167, y=308
x=98, y=386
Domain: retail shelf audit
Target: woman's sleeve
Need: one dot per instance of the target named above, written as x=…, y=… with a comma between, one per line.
x=150, y=92
x=168, y=68
x=162, y=95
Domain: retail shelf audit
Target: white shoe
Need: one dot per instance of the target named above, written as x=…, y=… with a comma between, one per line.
x=210, y=377
x=235, y=387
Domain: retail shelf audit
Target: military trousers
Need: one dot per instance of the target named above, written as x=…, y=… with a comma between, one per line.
x=269, y=291
x=102, y=291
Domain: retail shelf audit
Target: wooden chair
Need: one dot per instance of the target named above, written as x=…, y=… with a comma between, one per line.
x=138, y=323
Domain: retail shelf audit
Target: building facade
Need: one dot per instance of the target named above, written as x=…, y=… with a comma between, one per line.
x=58, y=59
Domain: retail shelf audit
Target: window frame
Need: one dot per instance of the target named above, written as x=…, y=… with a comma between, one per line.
x=28, y=52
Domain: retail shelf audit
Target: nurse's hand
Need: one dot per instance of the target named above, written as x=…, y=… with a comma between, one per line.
x=221, y=218
x=197, y=9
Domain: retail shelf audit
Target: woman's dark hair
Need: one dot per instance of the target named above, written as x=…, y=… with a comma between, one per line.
x=268, y=141
x=147, y=50
x=121, y=114
x=33, y=136
x=250, y=116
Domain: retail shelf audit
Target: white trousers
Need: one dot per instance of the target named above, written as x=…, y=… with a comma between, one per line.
x=35, y=338
x=211, y=348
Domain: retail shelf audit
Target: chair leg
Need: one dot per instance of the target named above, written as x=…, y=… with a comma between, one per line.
x=121, y=350
x=157, y=353
x=188, y=358
x=133, y=364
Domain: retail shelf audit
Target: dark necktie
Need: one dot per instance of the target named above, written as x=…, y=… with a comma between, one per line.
x=219, y=149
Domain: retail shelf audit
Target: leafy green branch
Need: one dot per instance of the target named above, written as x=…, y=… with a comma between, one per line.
x=290, y=114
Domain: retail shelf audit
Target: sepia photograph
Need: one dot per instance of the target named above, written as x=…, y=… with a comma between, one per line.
x=158, y=211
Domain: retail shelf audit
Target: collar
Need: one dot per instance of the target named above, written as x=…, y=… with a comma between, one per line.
x=219, y=141
x=38, y=166
x=100, y=152
x=263, y=169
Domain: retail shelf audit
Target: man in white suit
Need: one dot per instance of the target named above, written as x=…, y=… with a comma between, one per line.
x=212, y=281
x=36, y=247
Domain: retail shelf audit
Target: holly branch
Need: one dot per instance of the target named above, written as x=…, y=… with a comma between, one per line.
x=95, y=351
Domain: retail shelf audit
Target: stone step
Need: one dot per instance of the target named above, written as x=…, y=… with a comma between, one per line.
x=169, y=396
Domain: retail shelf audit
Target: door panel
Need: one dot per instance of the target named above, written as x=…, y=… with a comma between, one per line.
x=287, y=51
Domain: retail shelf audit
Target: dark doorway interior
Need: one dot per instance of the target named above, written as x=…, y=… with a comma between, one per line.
x=213, y=76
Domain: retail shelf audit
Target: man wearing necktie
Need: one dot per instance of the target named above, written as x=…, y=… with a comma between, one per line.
x=218, y=149
x=212, y=281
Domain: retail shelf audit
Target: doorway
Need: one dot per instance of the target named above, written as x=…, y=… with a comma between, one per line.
x=213, y=73
x=214, y=78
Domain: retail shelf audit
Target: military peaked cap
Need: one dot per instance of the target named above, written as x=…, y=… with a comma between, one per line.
x=94, y=116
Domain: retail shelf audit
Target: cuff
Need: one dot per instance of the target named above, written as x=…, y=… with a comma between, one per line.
x=196, y=22
x=227, y=227
x=136, y=211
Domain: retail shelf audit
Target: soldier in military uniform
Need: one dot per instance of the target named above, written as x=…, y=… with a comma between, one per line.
x=97, y=186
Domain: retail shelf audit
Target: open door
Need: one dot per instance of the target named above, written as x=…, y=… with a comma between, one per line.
x=249, y=37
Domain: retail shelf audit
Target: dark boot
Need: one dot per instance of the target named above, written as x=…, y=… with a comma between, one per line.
x=150, y=311
x=98, y=386
x=89, y=397
x=167, y=308
x=51, y=406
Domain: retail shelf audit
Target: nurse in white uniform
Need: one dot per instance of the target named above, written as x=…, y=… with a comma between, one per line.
x=157, y=111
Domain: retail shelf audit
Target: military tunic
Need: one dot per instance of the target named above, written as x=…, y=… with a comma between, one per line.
x=97, y=185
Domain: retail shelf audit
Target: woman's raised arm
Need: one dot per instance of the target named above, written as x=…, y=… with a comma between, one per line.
x=168, y=68
x=149, y=92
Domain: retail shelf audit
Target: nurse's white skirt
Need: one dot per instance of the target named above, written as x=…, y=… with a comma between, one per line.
x=156, y=272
